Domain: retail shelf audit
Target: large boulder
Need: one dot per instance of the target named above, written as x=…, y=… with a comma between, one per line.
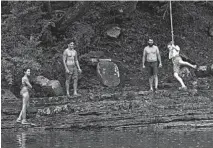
x=203, y=71
x=45, y=87
x=41, y=80
x=109, y=73
x=114, y=32
x=56, y=87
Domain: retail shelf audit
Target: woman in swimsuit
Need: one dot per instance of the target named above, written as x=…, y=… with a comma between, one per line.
x=25, y=95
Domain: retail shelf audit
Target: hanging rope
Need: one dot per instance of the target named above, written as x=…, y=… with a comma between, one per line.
x=171, y=21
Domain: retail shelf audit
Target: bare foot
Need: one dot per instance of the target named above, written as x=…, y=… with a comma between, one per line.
x=68, y=95
x=76, y=94
x=25, y=122
x=156, y=89
x=18, y=120
x=182, y=88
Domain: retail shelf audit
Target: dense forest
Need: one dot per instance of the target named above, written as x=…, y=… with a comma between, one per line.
x=35, y=34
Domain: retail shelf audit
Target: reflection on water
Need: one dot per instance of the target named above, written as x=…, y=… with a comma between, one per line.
x=21, y=138
x=107, y=139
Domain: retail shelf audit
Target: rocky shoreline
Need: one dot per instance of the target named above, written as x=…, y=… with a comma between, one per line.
x=127, y=108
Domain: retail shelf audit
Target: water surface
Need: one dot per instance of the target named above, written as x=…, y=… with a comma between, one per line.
x=107, y=139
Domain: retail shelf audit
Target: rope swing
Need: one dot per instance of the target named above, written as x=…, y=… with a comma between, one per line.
x=171, y=21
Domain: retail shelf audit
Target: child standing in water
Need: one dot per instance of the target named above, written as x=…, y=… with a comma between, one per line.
x=177, y=62
x=25, y=95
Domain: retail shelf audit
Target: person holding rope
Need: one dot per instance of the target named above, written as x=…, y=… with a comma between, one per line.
x=177, y=62
x=151, y=59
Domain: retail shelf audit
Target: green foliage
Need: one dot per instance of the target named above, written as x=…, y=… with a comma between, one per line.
x=29, y=38
x=19, y=43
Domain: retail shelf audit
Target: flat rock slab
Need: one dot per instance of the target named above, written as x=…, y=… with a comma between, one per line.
x=46, y=101
x=109, y=73
x=114, y=109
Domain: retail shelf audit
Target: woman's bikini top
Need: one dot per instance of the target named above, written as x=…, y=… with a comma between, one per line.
x=24, y=84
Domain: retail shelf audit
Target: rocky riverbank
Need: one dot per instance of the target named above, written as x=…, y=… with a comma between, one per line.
x=115, y=109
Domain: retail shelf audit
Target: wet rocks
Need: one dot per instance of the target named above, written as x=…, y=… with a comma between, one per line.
x=132, y=108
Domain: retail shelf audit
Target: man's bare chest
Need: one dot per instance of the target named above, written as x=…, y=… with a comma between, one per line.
x=151, y=51
x=71, y=53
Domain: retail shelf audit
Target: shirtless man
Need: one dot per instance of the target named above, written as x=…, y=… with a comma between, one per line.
x=177, y=62
x=151, y=56
x=72, y=68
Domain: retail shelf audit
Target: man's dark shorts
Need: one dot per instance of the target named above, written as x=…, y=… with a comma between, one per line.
x=152, y=68
x=73, y=71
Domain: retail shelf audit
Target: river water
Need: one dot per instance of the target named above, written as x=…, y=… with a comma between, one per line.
x=107, y=139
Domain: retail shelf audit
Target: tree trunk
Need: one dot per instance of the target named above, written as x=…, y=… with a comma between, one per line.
x=49, y=7
x=73, y=14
